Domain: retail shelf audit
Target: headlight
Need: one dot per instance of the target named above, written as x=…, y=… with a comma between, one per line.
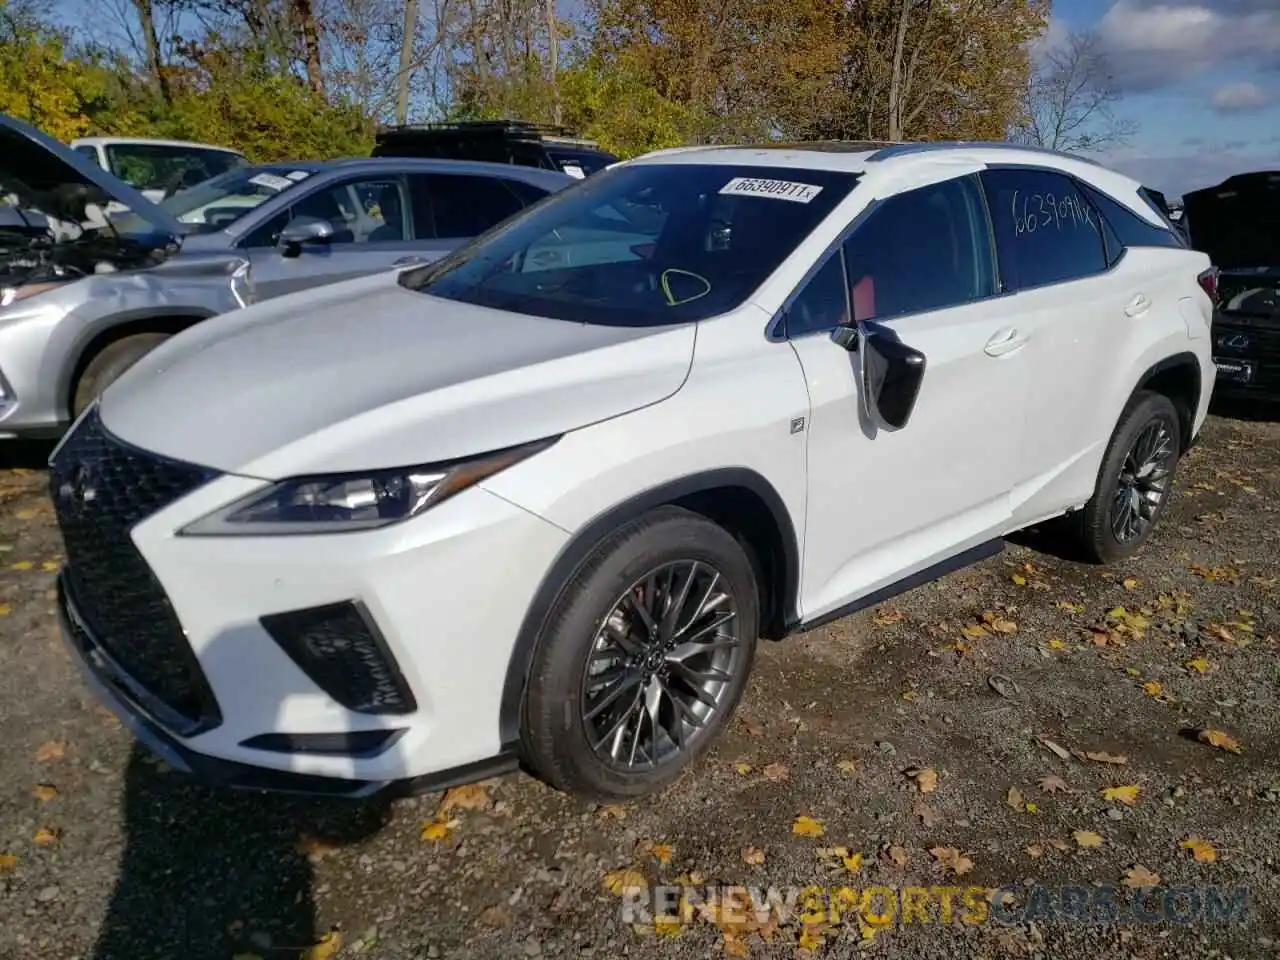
x=349, y=502
x=11, y=295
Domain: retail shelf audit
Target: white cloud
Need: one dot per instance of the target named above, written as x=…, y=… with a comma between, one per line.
x=1240, y=98
x=1156, y=43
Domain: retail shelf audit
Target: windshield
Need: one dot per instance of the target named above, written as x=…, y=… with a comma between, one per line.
x=641, y=245
x=154, y=166
x=216, y=203
x=581, y=163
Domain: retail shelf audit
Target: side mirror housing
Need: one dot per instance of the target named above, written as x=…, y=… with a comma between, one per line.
x=303, y=231
x=890, y=373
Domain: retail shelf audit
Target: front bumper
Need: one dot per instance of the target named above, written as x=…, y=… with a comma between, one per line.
x=447, y=592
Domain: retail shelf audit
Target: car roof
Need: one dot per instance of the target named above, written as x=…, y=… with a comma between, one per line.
x=477, y=168
x=902, y=166
x=107, y=141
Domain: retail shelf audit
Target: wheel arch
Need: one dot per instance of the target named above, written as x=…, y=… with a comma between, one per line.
x=126, y=324
x=738, y=499
x=1177, y=377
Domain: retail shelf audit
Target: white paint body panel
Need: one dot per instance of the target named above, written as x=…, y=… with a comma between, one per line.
x=366, y=375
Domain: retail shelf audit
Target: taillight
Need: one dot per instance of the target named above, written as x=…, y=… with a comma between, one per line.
x=1209, y=283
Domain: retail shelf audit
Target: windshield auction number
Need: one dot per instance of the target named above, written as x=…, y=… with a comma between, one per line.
x=1045, y=211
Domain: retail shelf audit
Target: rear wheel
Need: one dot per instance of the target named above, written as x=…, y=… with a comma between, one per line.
x=643, y=658
x=109, y=364
x=1135, y=480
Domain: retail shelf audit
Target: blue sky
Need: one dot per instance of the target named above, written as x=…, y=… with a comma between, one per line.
x=1200, y=78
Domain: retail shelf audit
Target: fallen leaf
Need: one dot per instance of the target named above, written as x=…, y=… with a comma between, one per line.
x=1126, y=794
x=1058, y=751
x=811, y=938
x=840, y=857
x=45, y=836
x=1202, y=850
x=1100, y=757
x=1035, y=851
x=44, y=791
x=926, y=779
x=753, y=728
x=618, y=882
x=1130, y=583
x=952, y=859
x=732, y=946
x=1056, y=644
x=1223, y=741
x=928, y=816
x=1139, y=876
x=27, y=514
x=974, y=631
x=1198, y=665
x=22, y=565
x=49, y=566
x=1087, y=838
x=807, y=827
x=776, y=772
x=668, y=928
x=495, y=916
x=1152, y=688
x=899, y=855
x=437, y=829
x=752, y=855
x=1015, y=799
x=847, y=766
x=743, y=768
x=1060, y=845
x=1052, y=784
x=1069, y=607
x=662, y=852
x=7, y=862
x=52, y=750
x=5, y=609
x=471, y=796
x=326, y=947
x=1031, y=808
x=890, y=616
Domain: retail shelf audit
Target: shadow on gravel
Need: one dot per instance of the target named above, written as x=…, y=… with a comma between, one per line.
x=216, y=873
x=1253, y=411
x=25, y=454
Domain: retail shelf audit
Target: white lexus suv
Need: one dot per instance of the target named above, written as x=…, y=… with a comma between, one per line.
x=536, y=503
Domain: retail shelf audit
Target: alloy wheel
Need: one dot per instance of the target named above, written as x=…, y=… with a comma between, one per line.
x=660, y=665
x=1143, y=482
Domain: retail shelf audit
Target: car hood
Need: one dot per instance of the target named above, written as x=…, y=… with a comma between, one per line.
x=1237, y=223
x=50, y=177
x=367, y=374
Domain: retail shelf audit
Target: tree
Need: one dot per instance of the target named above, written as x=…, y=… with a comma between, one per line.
x=1070, y=97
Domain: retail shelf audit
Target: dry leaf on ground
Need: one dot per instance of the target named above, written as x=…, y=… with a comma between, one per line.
x=1052, y=784
x=899, y=855
x=437, y=829
x=1202, y=850
x=752, y=855
x=495, y=916
x=1223, y=741
x=44, y=791
x=1015, y=799
x=926, y=778
x=7, y=862
x=471, y=796
x=327, y=947
x=1126, y=794
x=847, y=766
x=1035, y=851
x=46, y=835
x=1087, y=838
x=776, y=772
x=1139, y=876
x=1097, y=756
x=807, y=827
x=952, y=859
x=1058, y=751
x=52, y=750
x=661, y=852
x=618, y=882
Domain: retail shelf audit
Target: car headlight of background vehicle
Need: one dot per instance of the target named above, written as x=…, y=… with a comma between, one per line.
x=354, y=501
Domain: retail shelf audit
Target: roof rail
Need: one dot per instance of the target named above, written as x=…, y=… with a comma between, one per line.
x=520, y=127
x=928, y=146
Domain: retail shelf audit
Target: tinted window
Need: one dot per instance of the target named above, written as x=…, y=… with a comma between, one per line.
x=581, y=163
x=1130, y=229
x=1046, y=231
x=90, y=153
x=527, y=192
x=642, y=245
x=151, y=166
x=369, y=210
x=823, y=302
x=921, y=250
x=456, y=206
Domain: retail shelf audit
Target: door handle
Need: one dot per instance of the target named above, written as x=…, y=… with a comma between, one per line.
x=1139, y=305
x=1004, y=341
x=406, y=261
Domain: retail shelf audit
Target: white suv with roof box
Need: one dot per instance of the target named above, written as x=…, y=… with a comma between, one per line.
x=537, y=502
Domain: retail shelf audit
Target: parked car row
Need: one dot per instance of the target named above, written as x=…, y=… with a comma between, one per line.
x=537, y=500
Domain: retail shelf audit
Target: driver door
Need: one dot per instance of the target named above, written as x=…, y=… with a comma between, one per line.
x=886, y=503
x=372, y=232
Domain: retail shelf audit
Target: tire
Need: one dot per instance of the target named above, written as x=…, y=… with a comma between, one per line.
x=109, y=363
x=558, y=731
x=1095, y=526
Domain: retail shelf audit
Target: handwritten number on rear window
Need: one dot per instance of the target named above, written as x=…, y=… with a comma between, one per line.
x=1036, y=211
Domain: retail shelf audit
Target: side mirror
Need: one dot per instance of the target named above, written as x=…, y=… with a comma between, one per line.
x=303, y=231
x=889, y=372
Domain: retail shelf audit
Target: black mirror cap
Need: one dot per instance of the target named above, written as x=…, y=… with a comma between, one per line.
x=894, y=375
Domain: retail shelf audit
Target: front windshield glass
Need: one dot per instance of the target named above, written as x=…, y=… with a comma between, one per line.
x=216, y=203
x=641, y=245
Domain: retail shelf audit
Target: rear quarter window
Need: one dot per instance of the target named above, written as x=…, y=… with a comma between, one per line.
x=1129, y=228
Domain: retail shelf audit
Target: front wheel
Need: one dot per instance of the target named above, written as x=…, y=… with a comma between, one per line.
x=643, y=658
x=1135, y=482
x=109, y=365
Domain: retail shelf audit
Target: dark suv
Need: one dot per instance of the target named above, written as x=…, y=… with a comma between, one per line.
x=1237, y=223
x=497, y=141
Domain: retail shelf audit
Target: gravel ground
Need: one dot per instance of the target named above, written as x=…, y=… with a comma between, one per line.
x=104, y=853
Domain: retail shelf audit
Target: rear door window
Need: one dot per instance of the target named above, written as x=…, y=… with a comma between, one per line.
x=455, y=206
x=1046, y=229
